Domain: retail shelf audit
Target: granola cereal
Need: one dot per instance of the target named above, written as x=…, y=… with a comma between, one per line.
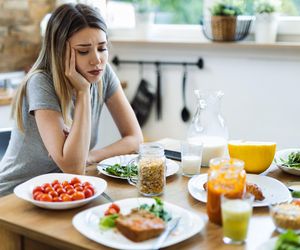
x=152, y=175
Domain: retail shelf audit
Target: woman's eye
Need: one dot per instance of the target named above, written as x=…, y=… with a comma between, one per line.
x=82, y=52
x=102, y=49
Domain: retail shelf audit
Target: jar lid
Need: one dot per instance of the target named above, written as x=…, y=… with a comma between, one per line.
x=151, y=149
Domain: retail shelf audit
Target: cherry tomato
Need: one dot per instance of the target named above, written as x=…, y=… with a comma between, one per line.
x=61, y=191
x=65, y=183
x=75, y=180
x=87, y=193
x=80, y=189
x=77, y=185
x=115, y=206
x=78, y=196
x=57, y=199
x=48, y=189
x=110, y=211
x=86, y=184
x=46, y=197
x=71, y=191
x=90, y=188
x=66, y=197
x=53, y=194
x=57, y=186
x=46, y=185
x=54, y=182
x=38, y=188
x=68, y=187
x=37, y=195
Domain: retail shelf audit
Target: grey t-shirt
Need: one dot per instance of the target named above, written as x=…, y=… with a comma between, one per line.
x=26, y=155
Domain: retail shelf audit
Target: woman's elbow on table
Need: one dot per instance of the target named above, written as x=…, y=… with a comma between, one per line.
x=72, y=167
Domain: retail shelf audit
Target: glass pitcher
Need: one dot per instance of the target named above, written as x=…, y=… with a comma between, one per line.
x=208, y=126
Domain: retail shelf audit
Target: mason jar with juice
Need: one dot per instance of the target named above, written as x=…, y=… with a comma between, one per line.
x=225, y=177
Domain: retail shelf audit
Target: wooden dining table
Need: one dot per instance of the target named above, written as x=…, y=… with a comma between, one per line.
x=26, y=226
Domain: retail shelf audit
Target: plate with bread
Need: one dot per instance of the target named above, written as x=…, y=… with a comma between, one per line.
x=136, y=225
x=265, y=189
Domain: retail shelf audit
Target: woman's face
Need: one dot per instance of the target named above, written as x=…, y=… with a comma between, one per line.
x=91, y=53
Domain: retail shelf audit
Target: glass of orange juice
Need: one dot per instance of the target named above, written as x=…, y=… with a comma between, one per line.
x=225, y=176
x=236, y=213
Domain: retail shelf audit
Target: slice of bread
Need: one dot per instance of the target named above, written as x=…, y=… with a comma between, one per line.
x=140, y=225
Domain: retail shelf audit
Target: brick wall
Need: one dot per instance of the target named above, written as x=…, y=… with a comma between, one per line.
x=20, y=32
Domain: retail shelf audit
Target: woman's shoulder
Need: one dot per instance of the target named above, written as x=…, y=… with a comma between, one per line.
x=40, y=76
x=109, y=72
x=41, y=79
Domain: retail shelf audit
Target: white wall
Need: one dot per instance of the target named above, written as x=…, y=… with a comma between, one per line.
x=261, y=86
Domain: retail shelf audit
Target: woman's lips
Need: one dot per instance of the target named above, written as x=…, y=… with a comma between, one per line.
x=95, y=72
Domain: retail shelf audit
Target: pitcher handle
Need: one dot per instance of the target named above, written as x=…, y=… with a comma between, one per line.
x=132, y=179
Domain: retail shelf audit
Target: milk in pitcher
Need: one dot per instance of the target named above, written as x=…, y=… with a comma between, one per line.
x=213, y=146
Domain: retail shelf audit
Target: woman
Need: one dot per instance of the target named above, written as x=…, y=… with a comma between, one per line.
x=57, y=107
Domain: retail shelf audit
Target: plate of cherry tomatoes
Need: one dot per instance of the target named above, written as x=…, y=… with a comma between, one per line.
x=60, y=190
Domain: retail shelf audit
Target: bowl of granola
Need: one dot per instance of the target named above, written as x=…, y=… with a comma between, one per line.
x=286, y=216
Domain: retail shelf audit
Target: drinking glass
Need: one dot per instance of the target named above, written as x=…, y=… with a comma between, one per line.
x=191, y=156
x=236, y=213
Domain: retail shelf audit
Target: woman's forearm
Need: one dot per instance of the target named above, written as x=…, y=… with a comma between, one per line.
x=126, y=145
x=76, y=146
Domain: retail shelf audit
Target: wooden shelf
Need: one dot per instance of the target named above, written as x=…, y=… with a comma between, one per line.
x=6, y=96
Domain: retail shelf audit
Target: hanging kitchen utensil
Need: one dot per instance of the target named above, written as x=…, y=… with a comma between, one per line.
x=185, y=114
x=143, y=99
x=158, y=93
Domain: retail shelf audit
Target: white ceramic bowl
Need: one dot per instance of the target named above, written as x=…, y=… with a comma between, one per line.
x=24, y=190
x=283, y=154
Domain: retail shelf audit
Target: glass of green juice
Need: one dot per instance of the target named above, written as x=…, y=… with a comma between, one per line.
x=236, y=213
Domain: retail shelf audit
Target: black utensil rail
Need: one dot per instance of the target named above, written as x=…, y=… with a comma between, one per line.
x=200, y=64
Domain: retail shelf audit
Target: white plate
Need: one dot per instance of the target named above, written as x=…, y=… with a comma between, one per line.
x=87, y=223
x=268, y=245
x=284, y=155
x=172, y=166
x=273, y=190
x=24, y=190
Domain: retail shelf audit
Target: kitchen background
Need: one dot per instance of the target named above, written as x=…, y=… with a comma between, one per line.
x=260, y=82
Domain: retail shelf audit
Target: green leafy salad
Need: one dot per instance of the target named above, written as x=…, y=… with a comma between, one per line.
x=293, y=160
x=288, y=241
x=122, y=170
x=157, y=209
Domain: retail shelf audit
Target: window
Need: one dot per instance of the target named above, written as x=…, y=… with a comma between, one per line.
x=189, y=13
x=171, y=11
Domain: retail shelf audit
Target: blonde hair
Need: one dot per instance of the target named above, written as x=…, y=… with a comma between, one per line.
x=63, y=23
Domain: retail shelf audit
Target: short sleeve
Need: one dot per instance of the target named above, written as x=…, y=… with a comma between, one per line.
x=41, y=94
x=111, y=82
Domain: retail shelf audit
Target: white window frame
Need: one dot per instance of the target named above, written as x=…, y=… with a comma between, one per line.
x=288, y=30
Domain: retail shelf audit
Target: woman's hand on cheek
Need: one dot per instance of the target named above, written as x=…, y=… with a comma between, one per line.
x=75, y=78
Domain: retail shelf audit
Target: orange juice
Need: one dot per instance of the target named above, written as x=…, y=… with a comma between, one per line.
x=225, y=176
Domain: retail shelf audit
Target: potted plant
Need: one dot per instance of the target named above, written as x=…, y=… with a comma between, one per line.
x=223, y=20
x=144, y=16
x=266, y=21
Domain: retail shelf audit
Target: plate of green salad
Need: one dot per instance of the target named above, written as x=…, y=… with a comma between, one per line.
x=118, y=166
x=288, y=160
x=288, y=240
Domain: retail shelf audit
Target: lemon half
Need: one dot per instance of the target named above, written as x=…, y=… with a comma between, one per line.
x=258, y=156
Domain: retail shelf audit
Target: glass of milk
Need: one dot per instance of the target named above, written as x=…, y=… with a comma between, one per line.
x=191, y=156
x=236, y=214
